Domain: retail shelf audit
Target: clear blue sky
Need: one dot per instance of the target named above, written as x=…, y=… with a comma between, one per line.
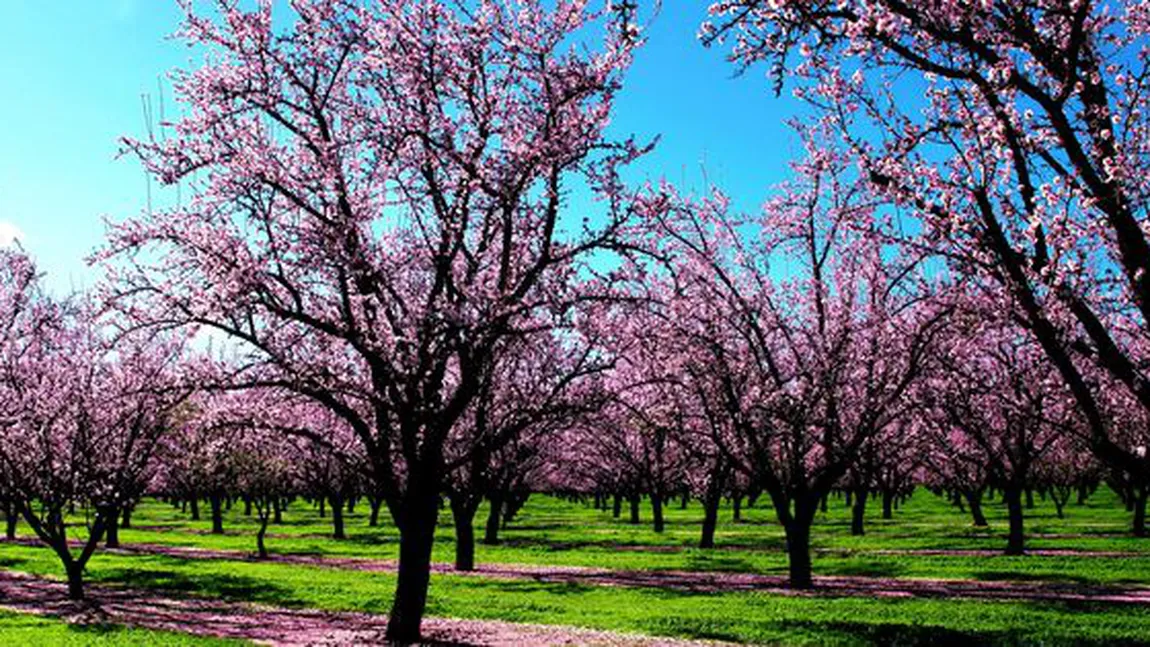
x=72, y=73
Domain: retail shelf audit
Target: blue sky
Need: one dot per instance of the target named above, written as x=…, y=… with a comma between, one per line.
x=72, y=73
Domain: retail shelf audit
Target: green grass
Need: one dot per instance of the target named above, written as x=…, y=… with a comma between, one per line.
x=31, y=631
x=550, y=531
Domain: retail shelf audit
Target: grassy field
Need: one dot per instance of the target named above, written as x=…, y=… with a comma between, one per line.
x=554, y=532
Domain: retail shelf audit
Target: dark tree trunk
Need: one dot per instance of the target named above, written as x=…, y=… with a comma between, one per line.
x=126, y=521
x=887, y=504
x=12, y=511
x=416, y=538
x=617, y=505
x=823, y=504
x=684, y=500
x=1139, y=527
x=322, y=507
x=337, y=517
x=1015, y=543
x=634, y=499
x=974, y=498
x=1029, y=499
x=112, y=532
x=375, y=503
x=247, y=506
x=216, y=502
x=799, y=553
x=494, y=515
x=195, y=505
x=858, y=512
x=710, y=520
x=262, y=532
x=351, y=505
x=463, y=516
x=75, y=572
x=277, y=511
x=657, y=511
x=737, y=507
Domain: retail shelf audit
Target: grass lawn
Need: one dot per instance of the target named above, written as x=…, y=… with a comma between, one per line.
x=550, y=531
x=29, y=630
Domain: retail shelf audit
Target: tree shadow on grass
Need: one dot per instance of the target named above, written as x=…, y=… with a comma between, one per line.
x=207, y=584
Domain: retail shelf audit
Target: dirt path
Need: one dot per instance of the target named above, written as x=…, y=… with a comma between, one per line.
x=286, y=627
x=709, y=582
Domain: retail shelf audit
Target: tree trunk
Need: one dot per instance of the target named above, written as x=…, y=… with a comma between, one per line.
x=12, y=511
x=217, y=513
x=351, y=505
x=277, y=511
x=617, y=505
x=887, y=504
x=710, y=520
x=416, y=538
x=858, y=512
x=247, y=506
x=1140, y=513
x=463, y=516
x=737, y=507
x=494, y=514
x=322, y=507
x=657, y=511
x=337, y=517
x=1029, y=499
x=684, y=500
x=375, y=502
x=261, y=533
x=974, y=498
x=112, y=532
x=1015, y=543
x=634, y=499
x=126, y=521
x=195, y=504
x=799, y=553
x=75, y=572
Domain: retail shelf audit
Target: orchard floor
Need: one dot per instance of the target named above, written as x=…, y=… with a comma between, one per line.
x=567, y=574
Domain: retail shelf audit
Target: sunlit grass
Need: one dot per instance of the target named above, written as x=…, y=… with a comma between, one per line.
x=551, y=531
